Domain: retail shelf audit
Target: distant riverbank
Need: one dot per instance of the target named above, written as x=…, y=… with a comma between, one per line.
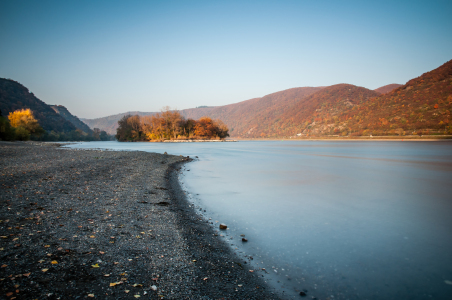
x=432, y=138
x=198, y=141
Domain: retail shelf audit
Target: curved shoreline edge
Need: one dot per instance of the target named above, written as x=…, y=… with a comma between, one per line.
x=108, y=225
x=229, y=275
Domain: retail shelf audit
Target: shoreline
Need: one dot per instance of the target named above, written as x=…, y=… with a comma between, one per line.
x=109, y=225
x=363, y=139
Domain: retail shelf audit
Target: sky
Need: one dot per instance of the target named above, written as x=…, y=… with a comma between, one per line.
x=99, y=58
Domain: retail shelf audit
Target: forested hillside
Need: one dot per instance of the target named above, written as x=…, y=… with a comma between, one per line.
x=238, y=116
x=421, y=106
x=14, y=96
x=318, y=111
x=62, y=111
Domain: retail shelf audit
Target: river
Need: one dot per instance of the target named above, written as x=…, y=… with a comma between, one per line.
x=339, y=219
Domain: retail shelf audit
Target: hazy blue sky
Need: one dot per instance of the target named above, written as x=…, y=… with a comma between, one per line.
x=99, y=58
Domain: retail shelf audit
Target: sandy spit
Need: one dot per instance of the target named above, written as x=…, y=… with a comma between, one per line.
x=83, y=224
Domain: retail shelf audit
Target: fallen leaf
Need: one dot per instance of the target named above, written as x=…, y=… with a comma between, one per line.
x=101, y=252
x=251, y=271
x=137, y=296
x=92, y=236
x=9, y=294
x=44, y=270
x=116, y=263
x=4, y=266
x=107, y=275
x=137, y=284
x=205, y=278
x=95, y=266
x=27, y=274
x=54, y=262
x=46, y=246
x=91, y=295
x=127, y=291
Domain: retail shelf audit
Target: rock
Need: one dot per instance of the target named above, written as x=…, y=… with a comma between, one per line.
x=165, y=153
x=223, y=226
x=242, y=235
x=302, y=294
x=244, y=240
x=153, y=287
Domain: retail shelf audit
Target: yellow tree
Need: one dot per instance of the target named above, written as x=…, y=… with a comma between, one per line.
x=24, y=118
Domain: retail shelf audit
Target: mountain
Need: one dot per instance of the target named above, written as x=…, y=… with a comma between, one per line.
x=387, y=88
x=110, y=123
x=315, y=113
x=62, y=111
x=14, y=96
x=238, y=116
x=420, y=106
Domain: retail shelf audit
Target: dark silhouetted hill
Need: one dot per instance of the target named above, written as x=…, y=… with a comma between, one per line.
x=14, y=96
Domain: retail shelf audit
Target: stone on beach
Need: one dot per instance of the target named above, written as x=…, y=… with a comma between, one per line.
x=223, y=226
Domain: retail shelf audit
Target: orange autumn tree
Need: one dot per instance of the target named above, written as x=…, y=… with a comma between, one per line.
x=169, y=125
x=25, y=123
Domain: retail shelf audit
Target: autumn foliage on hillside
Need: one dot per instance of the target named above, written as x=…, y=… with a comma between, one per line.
x=422, y=106
x=169, y=125
x=319, y=108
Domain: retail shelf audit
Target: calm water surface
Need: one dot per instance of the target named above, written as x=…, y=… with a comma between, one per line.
x=343, y=220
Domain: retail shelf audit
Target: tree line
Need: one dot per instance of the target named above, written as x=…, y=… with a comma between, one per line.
x=169, y=125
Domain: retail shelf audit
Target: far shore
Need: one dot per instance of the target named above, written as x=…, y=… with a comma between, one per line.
x=197, y=141
x=424, y=138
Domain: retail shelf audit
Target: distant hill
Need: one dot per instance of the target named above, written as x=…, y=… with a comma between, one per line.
x=62, y=111
x=110, y=123
x=387, y=88
x=420, y=106
x=14, y=96
x=238, y=116
x=316, y=113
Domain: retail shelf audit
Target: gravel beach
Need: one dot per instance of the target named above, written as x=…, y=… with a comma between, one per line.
x=78, y=224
